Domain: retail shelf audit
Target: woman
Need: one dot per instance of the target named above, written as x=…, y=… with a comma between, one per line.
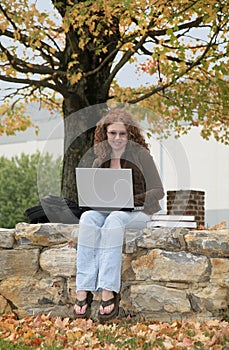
x=118, y=143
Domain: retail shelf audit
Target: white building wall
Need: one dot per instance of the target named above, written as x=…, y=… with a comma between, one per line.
x=54, y=147
x=194, y=163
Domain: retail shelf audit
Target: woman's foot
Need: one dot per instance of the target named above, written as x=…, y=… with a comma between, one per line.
x=109, y=306
x=82, y=307
x=106, y=295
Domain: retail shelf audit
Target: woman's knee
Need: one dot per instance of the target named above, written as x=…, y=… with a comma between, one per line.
x=85, y=216
x=117, y=216
x=91, y=217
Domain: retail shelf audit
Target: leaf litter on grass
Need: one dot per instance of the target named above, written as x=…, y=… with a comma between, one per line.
x=46, y=332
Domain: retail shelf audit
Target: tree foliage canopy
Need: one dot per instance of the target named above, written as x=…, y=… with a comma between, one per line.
x=78, y=49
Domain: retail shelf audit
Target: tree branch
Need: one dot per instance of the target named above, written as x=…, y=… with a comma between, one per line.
x=124, y=60
x=32, y=82
x=24, y=39
x=172, y=82
x=189, y=25
x=24, y=67
x=104, y=62
x=140, y=45
x=8, y=17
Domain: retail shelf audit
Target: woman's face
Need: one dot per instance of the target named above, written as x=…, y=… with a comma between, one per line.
x=117, y=136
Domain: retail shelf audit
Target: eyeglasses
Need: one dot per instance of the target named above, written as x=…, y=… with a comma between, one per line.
x=113, y=134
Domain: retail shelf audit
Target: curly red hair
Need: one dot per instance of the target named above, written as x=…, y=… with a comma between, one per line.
x=101, y=146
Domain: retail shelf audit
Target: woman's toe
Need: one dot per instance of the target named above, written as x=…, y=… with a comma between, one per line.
x=106, y=309
x=101, y=310
x=80, y=310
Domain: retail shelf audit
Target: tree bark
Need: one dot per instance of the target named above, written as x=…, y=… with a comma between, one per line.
x=85, y=101
x=79, y=127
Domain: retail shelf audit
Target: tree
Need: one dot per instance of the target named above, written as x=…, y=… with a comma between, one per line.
x=19, y=188
x=76, y=53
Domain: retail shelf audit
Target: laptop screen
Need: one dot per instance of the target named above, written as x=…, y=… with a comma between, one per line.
x=105, y=188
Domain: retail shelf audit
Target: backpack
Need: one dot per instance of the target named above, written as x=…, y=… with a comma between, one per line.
x=54, y=209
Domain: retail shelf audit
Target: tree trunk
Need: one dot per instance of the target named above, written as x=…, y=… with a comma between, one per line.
x=79, y=127
x=84, y=102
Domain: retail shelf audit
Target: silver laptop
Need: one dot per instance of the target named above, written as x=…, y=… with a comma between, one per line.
x=105, y=189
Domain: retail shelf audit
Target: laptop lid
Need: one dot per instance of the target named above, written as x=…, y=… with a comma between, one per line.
x=105, y=188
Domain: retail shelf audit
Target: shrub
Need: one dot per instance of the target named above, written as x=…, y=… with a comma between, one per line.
x=23, y=181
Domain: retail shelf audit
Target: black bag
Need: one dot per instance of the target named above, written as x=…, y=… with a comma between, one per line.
x=54, y=209
x=36, y=215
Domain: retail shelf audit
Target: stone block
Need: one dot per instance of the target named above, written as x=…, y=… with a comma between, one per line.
x=161, y=265
x=166, y=238
x=4, y=306
x=127, y=271
x=59, y=261
x=63, y=311
x=71, y=289
x=210, y=243
x=7, y=238
x=210, y=298
x=26, y=292
x=18, y=262
x=46, y=234
x=155, y=298
x=220, y=272
x=130, y=239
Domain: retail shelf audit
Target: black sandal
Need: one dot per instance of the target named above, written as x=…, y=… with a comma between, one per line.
x=115, y=300
x=88, y=300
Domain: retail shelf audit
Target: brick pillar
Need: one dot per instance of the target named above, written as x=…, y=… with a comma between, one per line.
x=187, y=202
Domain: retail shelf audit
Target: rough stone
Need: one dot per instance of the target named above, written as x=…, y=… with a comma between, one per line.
x=59, y=261
x=166, y=238
x=16, y=262
x=155, y=298
x=220, y=271
x=212, y=297
x=176, y=285
x=71, y=289
x=210, y=243
x=131, y=237
x=26, y=292
x=127, y=270
x=52, y=311
x=161, y=265
x=7, y=238
x=46, y=234
x=4, y=306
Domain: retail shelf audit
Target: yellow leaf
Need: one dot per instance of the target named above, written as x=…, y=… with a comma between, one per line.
x=104, y=49
x=52, y=50
x=75, y=78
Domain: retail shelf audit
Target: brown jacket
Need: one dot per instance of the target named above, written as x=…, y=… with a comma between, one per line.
x=148, y=188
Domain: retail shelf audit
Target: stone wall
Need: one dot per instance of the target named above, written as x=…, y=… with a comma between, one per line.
x=167, y=273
